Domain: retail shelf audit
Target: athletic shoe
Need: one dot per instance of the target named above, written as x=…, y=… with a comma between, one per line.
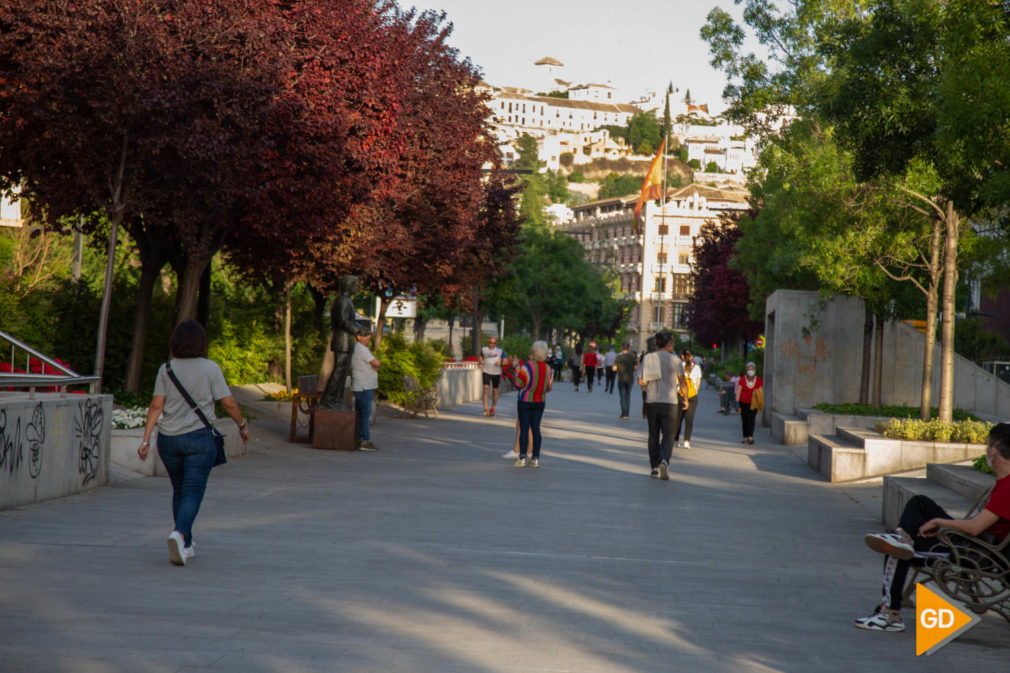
x=485, y=412
x=510, y=455
x=535, y=462
x=664, y=471
x=367, y=446
x=190, y=551
x=686, y=444
x=176, y=545
x=625, y=416
x=882, y=619
x=677, y=444
x=654, y=474
x=520, y=462
x=894, y=543
x=491, y=413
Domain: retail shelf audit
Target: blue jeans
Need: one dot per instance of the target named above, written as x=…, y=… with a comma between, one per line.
x=624, y=392
x=530, y=414
x=188, y=459
x=363, y=401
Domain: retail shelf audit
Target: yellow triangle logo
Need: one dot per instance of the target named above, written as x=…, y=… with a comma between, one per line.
x=938, y=621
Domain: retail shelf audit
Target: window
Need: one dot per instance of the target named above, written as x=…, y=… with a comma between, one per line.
x=661, y=258
x=683, y=284
x=679, y=315
x=684, y=258
x=685, y=230
x=664, y=230
x=660, y=284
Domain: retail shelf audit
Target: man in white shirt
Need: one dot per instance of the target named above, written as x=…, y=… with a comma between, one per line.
x=490, y=362
x=662, y=377
x=364, y=383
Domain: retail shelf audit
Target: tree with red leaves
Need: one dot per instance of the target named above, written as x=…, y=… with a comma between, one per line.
x=717, y=311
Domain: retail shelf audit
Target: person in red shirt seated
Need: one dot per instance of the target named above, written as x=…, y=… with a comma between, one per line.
x=920, y=521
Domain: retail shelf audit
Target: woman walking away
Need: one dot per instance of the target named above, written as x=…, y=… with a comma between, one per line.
x=745, y=389
x=185, y=440
x=533, y=378
x=575, y=364
x=693, y=372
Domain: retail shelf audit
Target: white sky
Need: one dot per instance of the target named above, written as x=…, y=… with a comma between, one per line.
x=633, y=46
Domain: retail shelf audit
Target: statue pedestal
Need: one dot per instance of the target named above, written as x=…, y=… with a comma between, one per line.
x=335, y=429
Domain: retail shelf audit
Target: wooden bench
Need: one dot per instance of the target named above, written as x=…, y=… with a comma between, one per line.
x=419, y=400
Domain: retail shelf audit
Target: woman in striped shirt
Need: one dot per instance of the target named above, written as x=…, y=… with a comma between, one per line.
x=533, y=378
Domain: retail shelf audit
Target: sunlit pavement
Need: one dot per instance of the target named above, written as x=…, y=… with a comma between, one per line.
x=436, y=554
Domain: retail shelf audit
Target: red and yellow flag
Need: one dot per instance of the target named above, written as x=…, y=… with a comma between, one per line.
x=652, y=185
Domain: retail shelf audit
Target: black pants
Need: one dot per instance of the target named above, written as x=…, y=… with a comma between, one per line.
x=611, y=377
x=747, y=417
x=576, y=375
x=682, y=414
x=918, y=510
x=590, y=377
x=660, y=417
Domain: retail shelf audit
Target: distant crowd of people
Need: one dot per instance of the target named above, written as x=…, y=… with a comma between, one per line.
x=669, y=383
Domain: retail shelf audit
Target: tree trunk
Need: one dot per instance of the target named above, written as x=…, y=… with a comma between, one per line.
x=380, y=320
x=150, y=270
x=932, y=303
x=287, y=335
x=103, y=315
x=189, y=287
x=878, y=361
x=419, y=327
x=953, y=225
x=475, y=333
x=864, y=375
x=537, y=321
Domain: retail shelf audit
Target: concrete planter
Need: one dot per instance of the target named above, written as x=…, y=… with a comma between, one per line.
x=857, y=453
x=123, y=449
x=797, y=429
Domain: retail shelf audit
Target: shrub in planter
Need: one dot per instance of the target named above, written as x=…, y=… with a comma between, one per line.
x=913, y=429
x=401, y=358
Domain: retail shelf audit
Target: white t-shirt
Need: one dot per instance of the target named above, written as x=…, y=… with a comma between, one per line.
x=492, y=360
x=695, y=375
x=203, y=380
x=363, y=377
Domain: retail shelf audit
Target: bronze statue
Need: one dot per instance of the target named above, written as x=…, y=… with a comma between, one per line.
x=345, y=329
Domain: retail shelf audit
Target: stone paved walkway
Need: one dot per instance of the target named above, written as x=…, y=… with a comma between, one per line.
x=435, y=554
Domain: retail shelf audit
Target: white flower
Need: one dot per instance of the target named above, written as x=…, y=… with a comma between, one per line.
x=123, y=419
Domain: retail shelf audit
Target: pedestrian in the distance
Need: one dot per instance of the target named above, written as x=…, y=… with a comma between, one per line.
x=533, y=379
x=490, y=362
x=185, y=440
x=685, y=417
x=589, y=363
x=559, y=362
x=575, y=364
x=626, y=363
x=662, y=376
x=745, y=389
x=364, y=383
x=608, y=366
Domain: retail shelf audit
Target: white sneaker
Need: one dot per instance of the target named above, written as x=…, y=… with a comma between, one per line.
x=664, y=471
x=190, y=551
x=176, y=549
x=520, y=462
x=894, y=543
x=511, y=455
x=686, y=444
x=882, y=619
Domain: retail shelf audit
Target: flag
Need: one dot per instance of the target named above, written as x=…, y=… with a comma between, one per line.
x=652, y=185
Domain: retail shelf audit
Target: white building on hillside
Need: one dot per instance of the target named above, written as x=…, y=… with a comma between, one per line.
x=655, y=266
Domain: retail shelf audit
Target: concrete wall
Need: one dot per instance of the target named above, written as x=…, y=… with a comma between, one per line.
x=459, y=386
x=52, y=446
x=123, y=446
x=814, y=354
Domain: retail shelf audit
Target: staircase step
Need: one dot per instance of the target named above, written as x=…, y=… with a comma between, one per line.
x=960, y=478
x=898, y=491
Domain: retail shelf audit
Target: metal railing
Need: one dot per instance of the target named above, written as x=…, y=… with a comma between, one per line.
x=30, y=380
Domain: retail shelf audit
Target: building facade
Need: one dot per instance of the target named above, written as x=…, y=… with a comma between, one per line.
x=655, y=265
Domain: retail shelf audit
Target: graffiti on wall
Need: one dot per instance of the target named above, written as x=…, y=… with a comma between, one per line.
x=88, y=433
x=806, y=354
x=12, y=443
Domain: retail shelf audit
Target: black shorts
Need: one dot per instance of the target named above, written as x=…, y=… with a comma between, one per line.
x=493, y=380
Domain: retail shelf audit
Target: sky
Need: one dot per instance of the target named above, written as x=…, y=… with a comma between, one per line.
x=634, y=46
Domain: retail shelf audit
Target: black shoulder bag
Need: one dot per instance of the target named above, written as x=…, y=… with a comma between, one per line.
x=221, y=458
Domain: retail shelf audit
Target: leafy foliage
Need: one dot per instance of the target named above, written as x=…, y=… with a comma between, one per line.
x=962, y=432
x=401, y=358
x=894, y=411
x=615, y=185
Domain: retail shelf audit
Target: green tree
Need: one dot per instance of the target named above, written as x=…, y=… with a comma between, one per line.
x=616, y=184
x=526, y=146
x=711, y=167
x=644, y=132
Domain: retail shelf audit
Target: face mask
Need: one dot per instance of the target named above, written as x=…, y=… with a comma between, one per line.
x=751, y=372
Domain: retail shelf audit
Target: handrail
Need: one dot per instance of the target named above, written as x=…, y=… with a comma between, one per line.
x=31, y=380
